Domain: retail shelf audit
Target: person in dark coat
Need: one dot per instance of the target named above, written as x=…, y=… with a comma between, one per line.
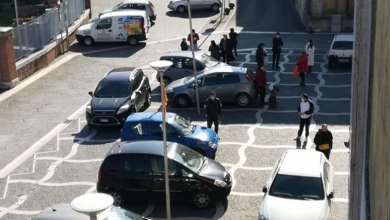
x=214, y=50
x=261, y=82
x=277, y=44
x=184, y=45
x=233, y=38
x=260, y=55
x=305, y=112
x=226, y=49
x=213, y=108
x=302, y=66
x=324, y=141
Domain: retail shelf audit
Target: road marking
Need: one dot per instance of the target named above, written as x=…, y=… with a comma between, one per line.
x=230, y=17
x=21, y=200
x=259, y=146
x=149, y=209
x=248, y=168
x=246, y=194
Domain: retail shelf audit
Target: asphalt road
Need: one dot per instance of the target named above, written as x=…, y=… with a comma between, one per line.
x=252, y=139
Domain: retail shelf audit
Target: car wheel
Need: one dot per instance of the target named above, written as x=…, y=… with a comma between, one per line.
x=181, y=9
x=330, y=64
x=148, y=100
x=201, y=199
x=132, y=41
x=199, y=151
x=243, y=100
x=182, y=101
x=118, y=198
x=166, y=80
x=88, y=41
x=215, y=8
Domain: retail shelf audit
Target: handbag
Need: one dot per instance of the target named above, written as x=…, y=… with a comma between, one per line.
x=295, y=72
x=324, y=147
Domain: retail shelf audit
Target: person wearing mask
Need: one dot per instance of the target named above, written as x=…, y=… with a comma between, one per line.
x=261, y=56
x=305, y=112
x=233, y=38
x=184, y=45
x=196, y=38
x=324, y=141
x=226, y=49
x=277, y=44
x=214, y=50
x=310, y=49
x=302, y=66
x=213, y=108
x=261, y=82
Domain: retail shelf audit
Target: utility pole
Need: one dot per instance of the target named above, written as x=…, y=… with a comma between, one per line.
x=16, y=12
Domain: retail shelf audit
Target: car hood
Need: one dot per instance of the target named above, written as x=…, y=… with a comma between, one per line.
x=276, y=208
x=107, y=103
x=107, y=10
x=85, y=27
x=204, y=134
x=213, y=170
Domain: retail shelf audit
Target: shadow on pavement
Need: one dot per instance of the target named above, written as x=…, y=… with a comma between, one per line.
x=85, y=50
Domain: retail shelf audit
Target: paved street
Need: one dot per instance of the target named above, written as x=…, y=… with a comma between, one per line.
x=68, y=154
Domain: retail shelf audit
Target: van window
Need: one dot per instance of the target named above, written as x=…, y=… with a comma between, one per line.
x=104, y=24
x=141, y=129
x=127, y=163
x=343, y=45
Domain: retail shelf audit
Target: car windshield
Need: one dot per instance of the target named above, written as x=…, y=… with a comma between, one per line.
x=207, y=60
x=187, y=157
x=117, y=6
x=297, y=187
x=122, y=214
x=190, y=79
x=343, y=45
x=112, y=90
x=183, y=125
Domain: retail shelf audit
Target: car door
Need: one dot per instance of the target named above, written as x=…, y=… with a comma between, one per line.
x=228, y=87
x=103, y=30
x=197, y=4
x=209, y=84
x=140, y=131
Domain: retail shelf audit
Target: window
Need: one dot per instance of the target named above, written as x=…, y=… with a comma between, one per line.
x=343, y=45
x=134, y=6
x=157, y=164
x=104, y=24
x=112, y=90
x=176, y=61
x=119, y=213
x=188, y=158
x=141, y=129
x=157, y=130
x=210, y=80
x=133, y=164
x=230, y=78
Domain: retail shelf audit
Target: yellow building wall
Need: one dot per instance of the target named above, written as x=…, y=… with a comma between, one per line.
x=339, y=6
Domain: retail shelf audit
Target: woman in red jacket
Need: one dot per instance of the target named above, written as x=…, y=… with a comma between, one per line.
x=261, y=82
x=302, y=66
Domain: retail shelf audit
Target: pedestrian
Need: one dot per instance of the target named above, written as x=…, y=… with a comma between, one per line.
x=302, y=66
x=277, y=44
x=310, y=49
x=305, y=112
x=233, y=37
x=184, y=45
x=261, y=56
x=213, y=107
x=324, y=141
x=261, y=82
x=214, y=50
x=196, y=38
x=226, y=49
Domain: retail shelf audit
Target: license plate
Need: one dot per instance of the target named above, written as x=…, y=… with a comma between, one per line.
x=103, y=120
x=343, y=60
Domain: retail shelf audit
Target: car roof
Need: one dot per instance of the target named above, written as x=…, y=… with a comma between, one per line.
x=136, y=1
x=62, y=212
x=149, y=117
x=226, y=69
x=343, y=38
x=182, y=54
x=298, y=162
x=119, y=74
x=124, y=13
x=139, y=147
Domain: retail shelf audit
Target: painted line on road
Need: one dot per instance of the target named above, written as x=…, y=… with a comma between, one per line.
x=230, y=17
x=310, y=84
x=149, y=209
x=20, y=201
x=248, y=168
x=273, y=33
x=259, y=146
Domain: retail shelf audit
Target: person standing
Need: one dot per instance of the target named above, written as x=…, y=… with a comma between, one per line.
x=261, y=82
x=310, y=49
x=277, y=44
x=196, y=38
x=324, y=141
x=214, y=50
x=305, y=112
x=302, y=66
x=226, y=49
x=184, y=45
x=233, y=38
x=261, y=56
x=212, y=108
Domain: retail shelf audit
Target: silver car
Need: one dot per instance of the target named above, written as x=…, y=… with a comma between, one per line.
x=183, y=65
x=143, y=5
x=181, y=5
x=232, y=84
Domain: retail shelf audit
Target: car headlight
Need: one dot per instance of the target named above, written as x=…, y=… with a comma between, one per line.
x=211, y=144
x=169, y=90
x=89, y=108
x=220, y=183
x=123, y=108
x=262, y=217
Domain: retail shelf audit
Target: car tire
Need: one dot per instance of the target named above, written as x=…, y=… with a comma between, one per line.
x=88, y=41
x=132, y=41
x=243, y=100
x=201, y=199
x=148, y=100
x=181, y=9
x=330, y=64
x=215, y=8
x=199, y=151
x=118, y=198
x=182, y=101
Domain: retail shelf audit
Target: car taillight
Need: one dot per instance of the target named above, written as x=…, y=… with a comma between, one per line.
x=248, y=78
x=99, y=177
x=151, y=8
x=41, y=211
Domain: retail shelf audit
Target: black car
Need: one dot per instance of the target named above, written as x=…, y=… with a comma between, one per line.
x=121, y=92
x=136, y=170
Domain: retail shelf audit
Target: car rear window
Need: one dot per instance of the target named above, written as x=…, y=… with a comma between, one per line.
x=343, y=45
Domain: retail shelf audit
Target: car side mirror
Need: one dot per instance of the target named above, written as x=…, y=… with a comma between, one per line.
x=265, y=190
x=331, y=195
x=90, y=93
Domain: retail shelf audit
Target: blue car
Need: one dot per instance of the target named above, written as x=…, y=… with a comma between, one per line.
x=148, y=126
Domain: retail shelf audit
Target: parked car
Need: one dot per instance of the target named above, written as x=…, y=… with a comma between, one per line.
x=231, y=84
x=300, y=187
x=181, y=5
x=143, y=5
x=183, y=64
x=82, y=207
x=341, y=50
x=148, y=126
x=129, y=26
x=121, y=92
x=136, y=170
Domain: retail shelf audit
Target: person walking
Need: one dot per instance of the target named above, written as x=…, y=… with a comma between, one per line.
x=226, y=49
x=196, y=38
x=214, y=50
x=324, y=141
x=310, y=49
x=277, y=44
x=184, y=45
x=261, y=82
x=305, y=112
x=261, y=56
x=302, y=66
x=212, y=108
x=233, y=38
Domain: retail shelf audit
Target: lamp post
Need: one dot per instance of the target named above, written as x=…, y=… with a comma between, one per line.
x=193, y=56
x=161, y=66
x=16, y=13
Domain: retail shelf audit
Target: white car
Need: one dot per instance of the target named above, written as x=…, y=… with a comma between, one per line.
x=143, y=5
x=341, y=50
x=300, y=187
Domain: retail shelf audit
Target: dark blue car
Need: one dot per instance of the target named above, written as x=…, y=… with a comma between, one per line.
x=148, y=126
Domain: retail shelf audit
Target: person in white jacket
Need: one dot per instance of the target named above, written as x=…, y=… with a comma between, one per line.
x=310, y=49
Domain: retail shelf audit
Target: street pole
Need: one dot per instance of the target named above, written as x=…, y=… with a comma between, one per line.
x=16, y=13
x=193, y=57
x=221, y=7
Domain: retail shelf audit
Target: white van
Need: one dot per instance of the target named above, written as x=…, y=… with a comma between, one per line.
x=119, y=26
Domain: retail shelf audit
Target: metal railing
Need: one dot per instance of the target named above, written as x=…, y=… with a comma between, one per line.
x=36, y=34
